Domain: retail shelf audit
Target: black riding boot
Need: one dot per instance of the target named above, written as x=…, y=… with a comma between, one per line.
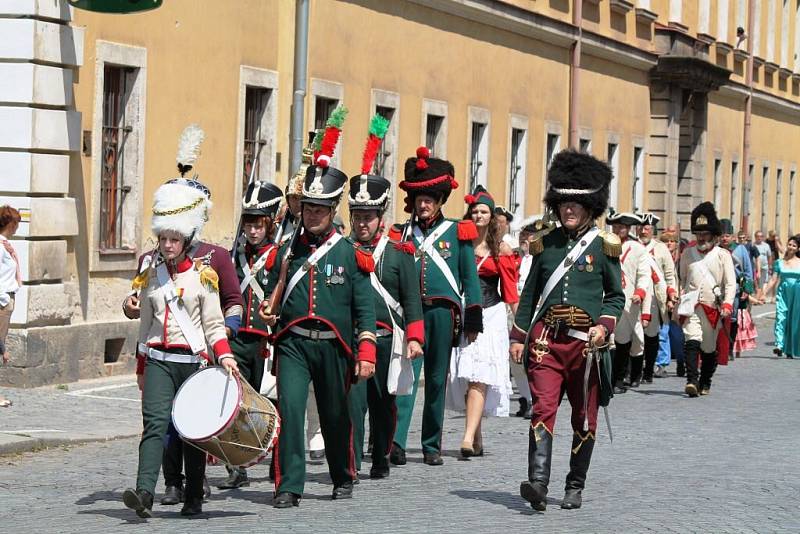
x=709, y=366
x=650, y=355
x=636, y=370
x=622, y=352
x=691, y=350
x=540, y=451
x=582, y=447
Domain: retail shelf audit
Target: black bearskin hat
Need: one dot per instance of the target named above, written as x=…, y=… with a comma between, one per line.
x=704, y=219
x=429, y=176
x=578, y=177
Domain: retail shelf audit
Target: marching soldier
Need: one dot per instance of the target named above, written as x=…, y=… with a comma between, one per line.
x=708, y=283
x=398, y=308
x=451, y=296
x=665, y=293
x=319, y=295
x=637, y=285
x=229, y=295
x=253, y=260
x=567, y=311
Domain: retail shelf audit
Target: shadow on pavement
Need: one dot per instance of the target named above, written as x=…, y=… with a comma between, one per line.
x=130, y=517
x=511, y=501
x=673, y=393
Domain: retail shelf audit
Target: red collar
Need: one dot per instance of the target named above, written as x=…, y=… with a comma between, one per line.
x=182, y=266
x=257, y=249
x=430, y=223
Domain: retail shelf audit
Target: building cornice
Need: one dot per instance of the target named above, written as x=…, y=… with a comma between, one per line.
x=762, y=98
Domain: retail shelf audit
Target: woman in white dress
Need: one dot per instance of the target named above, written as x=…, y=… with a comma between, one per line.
x=479, y=372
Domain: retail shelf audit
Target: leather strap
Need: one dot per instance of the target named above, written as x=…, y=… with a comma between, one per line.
x=313, y=334
x=312, y=260
x=193, y=337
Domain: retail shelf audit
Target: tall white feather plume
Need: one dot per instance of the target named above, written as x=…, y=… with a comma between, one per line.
x=189, y=145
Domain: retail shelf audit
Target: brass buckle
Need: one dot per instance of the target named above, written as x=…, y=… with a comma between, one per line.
x=313, y=335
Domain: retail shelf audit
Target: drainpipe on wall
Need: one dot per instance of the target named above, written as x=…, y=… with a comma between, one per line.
x=748, y=111
x=299, y=82
x=575, y=74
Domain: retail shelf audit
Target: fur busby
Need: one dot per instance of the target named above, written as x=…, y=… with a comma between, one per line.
x=180, y=208
x=704, y=219
x=650, y=219
x=369, y=192
x=429, y=176
x=479, y=196
x=620, y=217
x=323, y=186
x=261, y=198
x=726, y=226
x=578, y=177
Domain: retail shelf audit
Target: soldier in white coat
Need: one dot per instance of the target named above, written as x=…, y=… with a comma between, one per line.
x=638, y=288
x=708, y=287
x=665, y=293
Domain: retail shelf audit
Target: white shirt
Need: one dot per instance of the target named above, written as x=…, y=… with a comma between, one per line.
x=524, y=270
x=8, y=274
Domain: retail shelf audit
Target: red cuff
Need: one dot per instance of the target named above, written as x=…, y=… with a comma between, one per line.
x=640, y=293
x=608, y=322
x=415, y=331
x=222, y=347
x=727, y=307
x=671, y=291
x=140, y=364
x=366, y=351
x=646, y=317
x=517, y=335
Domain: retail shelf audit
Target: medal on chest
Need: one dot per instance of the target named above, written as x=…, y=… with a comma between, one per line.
x=444, y=249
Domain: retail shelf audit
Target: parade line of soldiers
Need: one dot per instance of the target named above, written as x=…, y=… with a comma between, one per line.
x=357, y=317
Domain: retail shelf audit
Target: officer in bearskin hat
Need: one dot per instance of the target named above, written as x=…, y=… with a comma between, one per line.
x=253, y=259
x=398, y=307
x=451, y=295
x=320, y=300
x=567, y=311
x=708, y=283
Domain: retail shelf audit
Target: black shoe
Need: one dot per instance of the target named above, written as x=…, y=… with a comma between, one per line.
x=572, y=499
x=172, y=495
x=524, y=407
x=317, y=455
x=140, y=501
x=192, y=507
x=777, y=352
x=691, y=389
x=345, y=491
x=535, y=493
x=619, y=388
x=398, y=455
x=432, y=458
x=206, y=489
x=285, y=500
x=237, y=478
x=379, y=471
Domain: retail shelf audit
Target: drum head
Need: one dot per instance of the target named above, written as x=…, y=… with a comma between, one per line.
x=206, y=404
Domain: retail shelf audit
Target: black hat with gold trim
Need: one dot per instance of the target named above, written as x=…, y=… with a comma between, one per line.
x=261, y=198
x=704, y=219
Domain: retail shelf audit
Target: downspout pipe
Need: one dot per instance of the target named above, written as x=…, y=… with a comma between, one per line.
x=575, y=74
x=299, y=82
x=748, y=113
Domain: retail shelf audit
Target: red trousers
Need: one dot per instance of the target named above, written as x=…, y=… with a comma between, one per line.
x=561, y=370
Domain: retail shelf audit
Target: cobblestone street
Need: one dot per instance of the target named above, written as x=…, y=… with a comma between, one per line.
x=723, y=463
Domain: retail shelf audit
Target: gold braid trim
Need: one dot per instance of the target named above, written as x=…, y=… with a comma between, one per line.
x=537, y=434
x=141, y=280
x=583, y=440
x=369, y=336
x=176, y=211
x=612, y=246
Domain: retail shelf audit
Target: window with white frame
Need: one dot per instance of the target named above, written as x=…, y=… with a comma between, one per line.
x=718, y=182
x=326, y=96
x=612, y=156
x=517, y=172
x=764, y=193
x=379, y=165
x=255, y=107
x=256, y=155
x=387, y=105
x=734, y=200
x=434, y=127
x=478, y=147
x=778, y=198
x=638, y=179
x=552, y=148
x=585, y=145
x=117, y=149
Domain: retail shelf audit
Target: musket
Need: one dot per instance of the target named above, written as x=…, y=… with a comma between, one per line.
x=238, y=234
x=272, y=304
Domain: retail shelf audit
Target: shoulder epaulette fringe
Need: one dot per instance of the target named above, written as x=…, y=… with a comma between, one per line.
x=612, y=245
x=141, y=280
x=396, y=232
x=467, y=231
x=406, y=246
x=208, y=277
x=537, y=245
x=364, y=260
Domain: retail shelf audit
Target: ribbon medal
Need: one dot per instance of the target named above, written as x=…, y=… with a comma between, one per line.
x=444, y=249
x=589, y=262
x=338, y=278
x=328, y=273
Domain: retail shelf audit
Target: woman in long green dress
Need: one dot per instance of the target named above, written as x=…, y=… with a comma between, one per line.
x=787, y=300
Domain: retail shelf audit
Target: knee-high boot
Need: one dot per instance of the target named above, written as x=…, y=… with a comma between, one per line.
x=582, y=447
x=650, y=354
x=622, y=352
x=691, y=350
x=636, y=370
x=707, y=369
x=540, y=451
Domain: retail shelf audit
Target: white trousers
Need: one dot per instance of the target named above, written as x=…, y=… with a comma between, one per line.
x=698, y=328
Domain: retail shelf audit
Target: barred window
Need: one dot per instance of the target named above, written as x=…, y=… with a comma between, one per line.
x=433, y=131
x=517, y=171
x=477, y=155
x=323, y=108
x=384, y=152
x=255, y=104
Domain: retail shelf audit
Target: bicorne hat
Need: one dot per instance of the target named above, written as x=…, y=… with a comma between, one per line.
x=621, y=217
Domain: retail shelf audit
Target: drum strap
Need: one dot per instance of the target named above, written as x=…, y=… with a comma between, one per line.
x=193, y=337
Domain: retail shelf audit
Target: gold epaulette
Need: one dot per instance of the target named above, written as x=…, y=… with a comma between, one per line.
x=612, y=246
x=536, y=246
x=141, y=280
x=208, y=276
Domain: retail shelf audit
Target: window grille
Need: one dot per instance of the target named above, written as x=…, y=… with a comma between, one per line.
x=475, y=163
x=517, y=138
x=433, y=127
x=384, y=151
x=255, y=105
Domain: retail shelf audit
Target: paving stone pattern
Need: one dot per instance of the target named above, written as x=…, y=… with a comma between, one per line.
x=728, y=462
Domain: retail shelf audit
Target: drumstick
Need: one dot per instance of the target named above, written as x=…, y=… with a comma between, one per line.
x=225, y=393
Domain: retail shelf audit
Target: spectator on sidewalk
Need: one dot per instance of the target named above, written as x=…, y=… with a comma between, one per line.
x=787, y=300
x=10, y=279
x=764, y=262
